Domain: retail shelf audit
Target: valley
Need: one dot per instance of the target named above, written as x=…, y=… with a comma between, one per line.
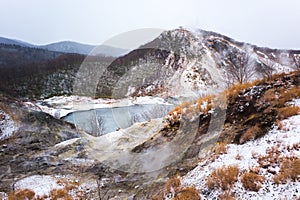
x=155, y=123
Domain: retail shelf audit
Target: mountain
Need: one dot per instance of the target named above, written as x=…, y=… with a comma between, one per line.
x=15, y=42
x=74, y=47
x=184, y=63
x=70, y=47
x=13, y=56
x=179, y=62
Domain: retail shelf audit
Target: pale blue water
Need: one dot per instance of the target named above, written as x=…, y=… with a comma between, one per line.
x=106, y=120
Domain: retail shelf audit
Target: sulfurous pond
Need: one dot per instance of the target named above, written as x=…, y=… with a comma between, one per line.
x=105, y=120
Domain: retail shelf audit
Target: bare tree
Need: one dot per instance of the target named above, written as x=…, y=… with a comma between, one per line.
x=239, y=67
x=266, y=67
x=97, y=124
x=296, y=60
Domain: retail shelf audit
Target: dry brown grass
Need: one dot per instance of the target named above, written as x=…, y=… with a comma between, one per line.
x=58, y=194
x=269, y=95
x=250, y=134
x=205, y=104
x=187, y=193
x=272, y=157
x=221, y=148
x=227, y=195
x=234, y=90
x=286, y=112
x=252, y=181
x=289, y=170
x=286, y=95
x=172, y=183
x=279, y=125
x=177, y=109
x=173, y=187
x=238, y=156
x=25, y=194
x=223, y=177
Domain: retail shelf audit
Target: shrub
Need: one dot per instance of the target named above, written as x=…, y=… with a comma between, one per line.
x=237, y=88
x=219, y=149
x=269, y=95
x=250, y=134
x=252, y=181
x=223, y=177
x=205, y=103
x=287, y=112
x=172, y=183
x=238, y=156
x=174, y=189
x=177, y=109
x=289, y=170
x=25, y=194
x=272, y=157
x=57, y=194
x=226, y=196
x=187, y=193
x=288, y=95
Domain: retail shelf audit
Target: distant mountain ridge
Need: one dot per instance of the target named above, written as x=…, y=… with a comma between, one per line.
x=71, y=47
x=4, y=40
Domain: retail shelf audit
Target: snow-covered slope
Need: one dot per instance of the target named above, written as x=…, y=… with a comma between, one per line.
x=284, y=141
x=189, y=63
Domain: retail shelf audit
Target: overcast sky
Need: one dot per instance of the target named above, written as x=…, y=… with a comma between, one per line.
x=271, y=23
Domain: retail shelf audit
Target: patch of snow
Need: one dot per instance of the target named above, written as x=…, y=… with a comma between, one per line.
x=67, y=142
x=283, y=138
x=43, y=184
x=7, y=125
x=262, y=54
x=40, y=184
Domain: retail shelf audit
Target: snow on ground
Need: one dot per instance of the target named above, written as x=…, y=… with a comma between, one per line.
x=7, y=125
x=42, y=185
x=248, y=153
x=60, y=106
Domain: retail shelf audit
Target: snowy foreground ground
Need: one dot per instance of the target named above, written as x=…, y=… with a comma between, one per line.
x=282, y=138
x=248, y=153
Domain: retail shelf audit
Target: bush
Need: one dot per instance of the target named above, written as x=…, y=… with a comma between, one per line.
x=226, y=196
x=25, y=194
x=250, y=134
x=289, y=170
x=173, y=189
x=252, y=181
x=272, y=157
x=187, y=193
x=223, y=177
x=287, y=95
x=286, y=112
x=58, y=194
x=219, y=149
x=205, y=104
x=234, y=90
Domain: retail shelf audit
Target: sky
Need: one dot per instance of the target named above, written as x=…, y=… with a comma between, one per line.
x=271, y=23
